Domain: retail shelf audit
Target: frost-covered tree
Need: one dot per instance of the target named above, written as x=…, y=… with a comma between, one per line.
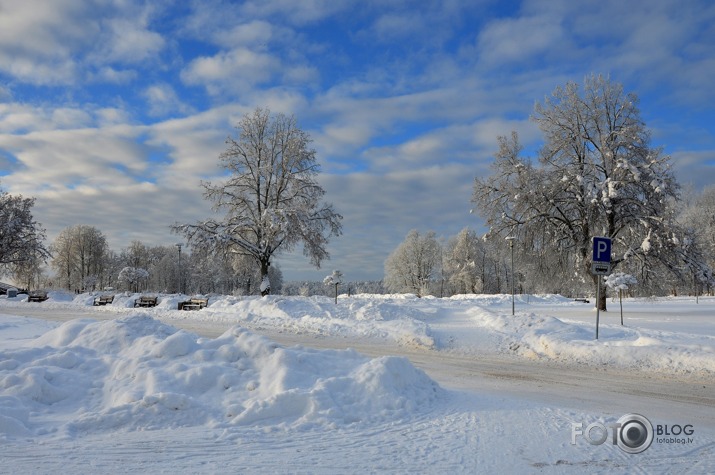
x=704, y=221
x=21, y=237
x=133, y=277
x=597, y=175
x=138, y=254
x=29, y=273
x=272, y=201
x=80, y=257
x=466, y=263
x=698, y=221
x=413, y=264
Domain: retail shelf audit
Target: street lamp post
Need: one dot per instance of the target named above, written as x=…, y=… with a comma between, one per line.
x=511, y=245
x=178, y=246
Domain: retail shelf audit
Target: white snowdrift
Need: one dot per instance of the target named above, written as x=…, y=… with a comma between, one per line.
x=136, y=373
x=538, y=336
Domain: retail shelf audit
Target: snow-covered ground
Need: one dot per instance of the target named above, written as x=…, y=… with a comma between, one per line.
x=452, y=385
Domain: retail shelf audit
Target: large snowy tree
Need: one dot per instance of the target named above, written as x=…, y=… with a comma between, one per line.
x=413, y=264
x=133, y=277
x=21, y=237
x=271, y=200
x=698, y=223
x=81, y=257
x=465, y=262
x=597, y=175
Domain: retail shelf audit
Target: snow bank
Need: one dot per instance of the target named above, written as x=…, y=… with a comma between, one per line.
x=504, y=299
x=136, y=373
x=540, y=336
x=364, y=317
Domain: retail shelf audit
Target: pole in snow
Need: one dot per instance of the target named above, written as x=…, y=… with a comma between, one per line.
x=511, y=245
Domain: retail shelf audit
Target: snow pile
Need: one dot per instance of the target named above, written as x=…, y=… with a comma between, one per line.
x=521, y=299
x=365, y=317
x=60, y=296
x=136, y=373
x=540, y=336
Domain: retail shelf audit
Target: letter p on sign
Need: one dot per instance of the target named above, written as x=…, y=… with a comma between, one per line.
x=601, y=249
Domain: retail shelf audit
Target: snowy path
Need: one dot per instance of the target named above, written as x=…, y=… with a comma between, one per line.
x=470, y=435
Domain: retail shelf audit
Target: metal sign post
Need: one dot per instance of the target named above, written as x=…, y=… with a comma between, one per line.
x=601, y=265
x=598, y=300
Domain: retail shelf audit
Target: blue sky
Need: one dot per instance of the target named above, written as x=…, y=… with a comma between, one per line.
x=112, y=112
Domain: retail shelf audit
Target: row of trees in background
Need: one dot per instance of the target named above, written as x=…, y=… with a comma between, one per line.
x=469, y=262
x=82, y=261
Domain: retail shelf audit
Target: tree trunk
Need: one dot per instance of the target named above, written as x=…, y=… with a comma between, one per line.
x=264, y=275
x=601, y=301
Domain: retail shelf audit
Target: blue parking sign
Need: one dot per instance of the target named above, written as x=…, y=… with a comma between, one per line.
x=601, y=249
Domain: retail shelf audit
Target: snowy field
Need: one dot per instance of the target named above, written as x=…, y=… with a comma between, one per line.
x=390, y=384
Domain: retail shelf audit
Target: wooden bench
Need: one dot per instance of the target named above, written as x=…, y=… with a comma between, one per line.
x=582, y=300
x=194, y=304
x=37, y=296
x=146, y=301
x=103, y=300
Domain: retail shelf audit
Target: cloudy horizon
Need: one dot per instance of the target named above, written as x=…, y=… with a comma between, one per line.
x=112, y=113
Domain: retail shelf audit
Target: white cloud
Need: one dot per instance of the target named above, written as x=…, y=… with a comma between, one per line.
x=519, y=40
x=48, y=42
x=43, y=28
x=256, y=33
x=108, y=74
x=126, y=212
x=130, y=42
x=108, y=116
x=233, y=70
x=66, y=158
x=16, y=117
x=38, y=39
x=397, y=25
x=106, y=175
x=290, y=11
x=696, y=168
x=162, y=100
x=39, y=72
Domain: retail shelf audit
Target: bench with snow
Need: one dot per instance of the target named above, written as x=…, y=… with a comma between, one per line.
x=194, y=304
x=103, y=300
x=37, y=296
x=146, y=301
x=581, y=300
